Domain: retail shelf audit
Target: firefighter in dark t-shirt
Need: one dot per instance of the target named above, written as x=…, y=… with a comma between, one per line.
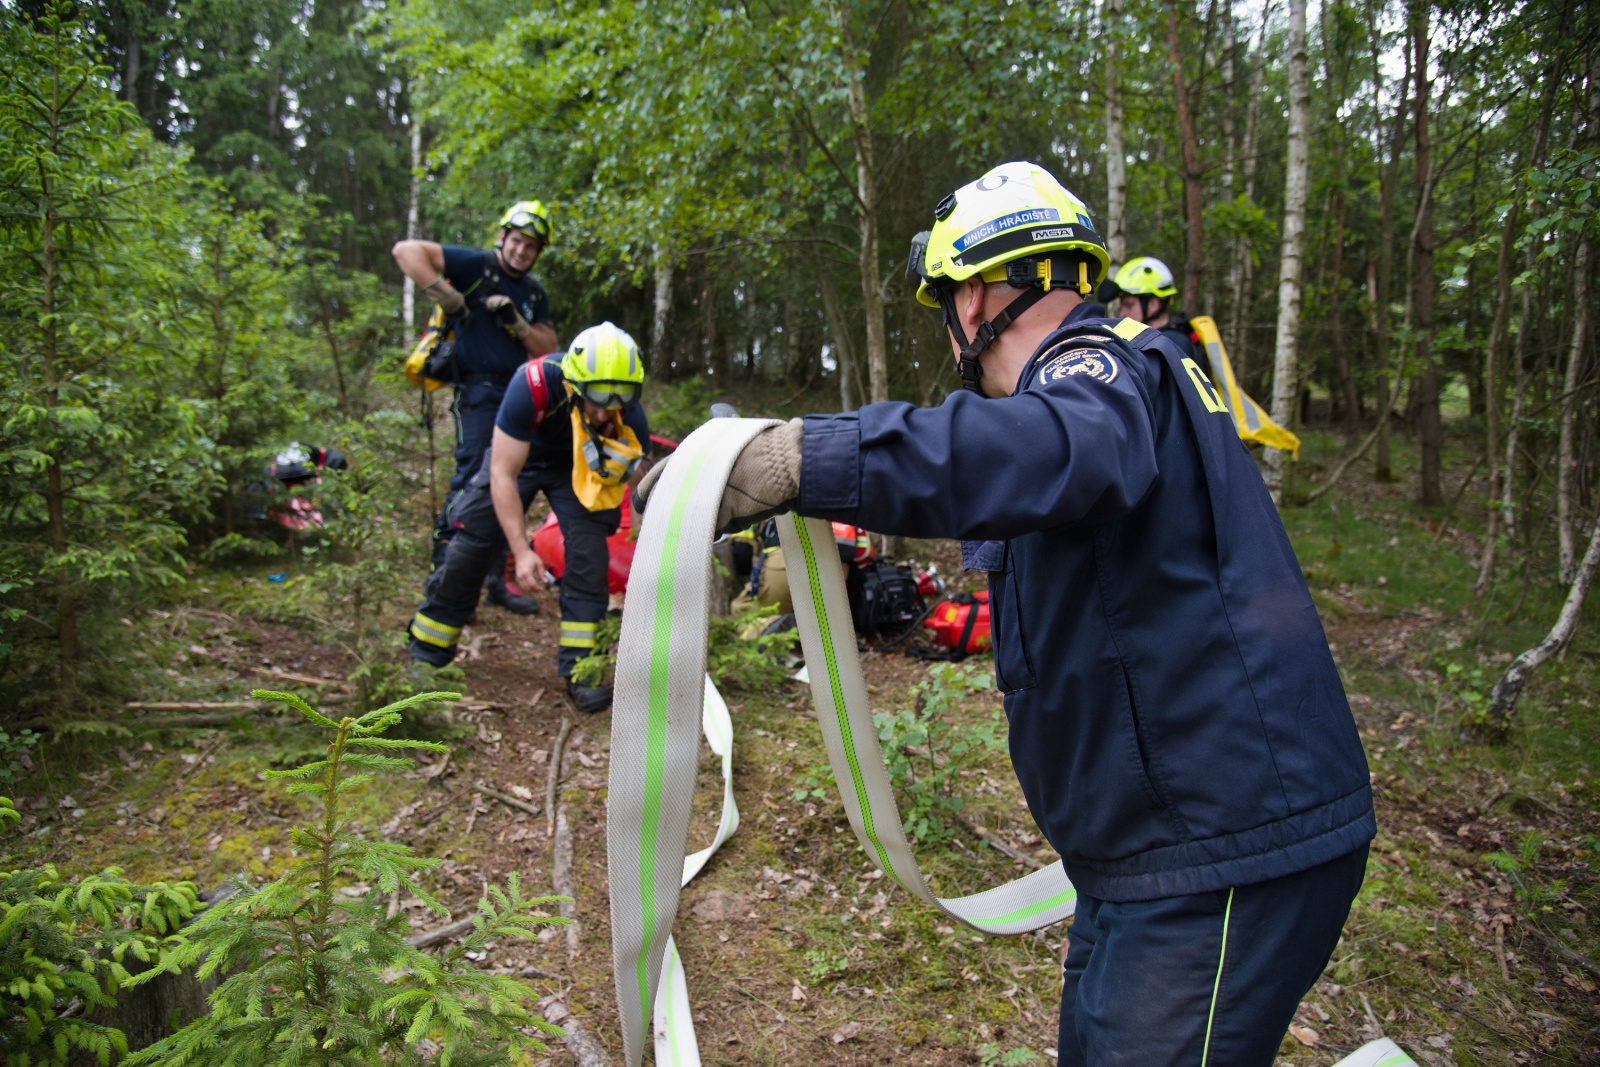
x=502, y=318
x=573, y=429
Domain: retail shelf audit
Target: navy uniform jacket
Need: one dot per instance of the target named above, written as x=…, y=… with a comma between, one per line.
x=1177, y=722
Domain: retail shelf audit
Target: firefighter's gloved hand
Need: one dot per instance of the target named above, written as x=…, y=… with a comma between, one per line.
x=504, y=310
x=441, y=292
x=765, y=480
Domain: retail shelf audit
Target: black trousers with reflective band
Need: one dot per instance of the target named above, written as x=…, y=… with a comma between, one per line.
x=479, y=546
x=1209, y=980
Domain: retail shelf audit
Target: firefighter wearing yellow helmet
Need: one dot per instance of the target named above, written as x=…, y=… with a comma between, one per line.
x=498, y=317
x=575, y=429
x=1143, y=290
x=1018, y=226
x=1177, y=723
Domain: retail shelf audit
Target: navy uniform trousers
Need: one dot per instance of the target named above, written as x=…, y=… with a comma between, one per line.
x=1207, y=980
x=479, y=546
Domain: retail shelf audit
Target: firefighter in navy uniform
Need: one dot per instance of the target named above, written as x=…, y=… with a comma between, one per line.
x=1176, y=720
x=503, y=320
x=1143, y=290
x=574, y=429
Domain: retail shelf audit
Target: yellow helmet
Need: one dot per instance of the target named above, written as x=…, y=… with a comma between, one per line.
x=1016, y=211
x=1018, y=225
x=526, y=217
x=1146, y=276
x=604, y=367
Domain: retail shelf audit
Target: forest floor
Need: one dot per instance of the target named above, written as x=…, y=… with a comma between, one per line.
x=797, y=950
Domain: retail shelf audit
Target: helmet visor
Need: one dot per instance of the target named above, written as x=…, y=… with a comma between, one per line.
x=527, y=222
x=609, y=394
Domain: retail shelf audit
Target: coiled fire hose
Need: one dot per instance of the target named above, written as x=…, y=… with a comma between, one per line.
x=662, y=696
x=663, y=699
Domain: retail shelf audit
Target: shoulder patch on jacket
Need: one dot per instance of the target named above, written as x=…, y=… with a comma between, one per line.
x=1090, y=360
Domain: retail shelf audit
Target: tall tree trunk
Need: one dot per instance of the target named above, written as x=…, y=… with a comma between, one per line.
x=1286, y=370
x=408, y=289
x=1347, y=379
x=130, y=65
x=1379, y=337
x=661, y=315
x=867, y=218
x=1189, y=139
x=1566, y=461
x=1500, y=478
x=1387, y=176
x=1430, y=438
x=843, y=353
x=1116, y=148
x=1242, y=270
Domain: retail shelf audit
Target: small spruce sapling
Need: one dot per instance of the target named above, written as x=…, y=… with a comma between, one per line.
x=63, y=945
x=316, y=976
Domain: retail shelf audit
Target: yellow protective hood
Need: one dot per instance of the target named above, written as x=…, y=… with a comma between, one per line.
x=601, y=465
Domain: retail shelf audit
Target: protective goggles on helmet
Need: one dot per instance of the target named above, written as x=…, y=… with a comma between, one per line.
x=607, y=393
x=526, y=222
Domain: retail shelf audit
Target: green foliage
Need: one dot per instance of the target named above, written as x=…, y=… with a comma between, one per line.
x=97, y=456
x=989, y=1055
x=65, y=940
x=925, y=750
x=598, y=666
x=14, y=754
x=317, y=975
x=749, y=663
x=1537, y=897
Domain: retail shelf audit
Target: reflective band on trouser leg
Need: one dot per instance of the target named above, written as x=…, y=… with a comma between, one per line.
x=577, y=634
x=434, y=633
x=659, y=689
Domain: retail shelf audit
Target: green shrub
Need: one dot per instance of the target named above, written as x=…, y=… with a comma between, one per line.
x=63, y=943
x=925, y=751
x=316, y=976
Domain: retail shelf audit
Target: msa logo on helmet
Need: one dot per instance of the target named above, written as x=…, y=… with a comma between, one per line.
x=1096, y=363
x=1006, y=222
x=1059, y=233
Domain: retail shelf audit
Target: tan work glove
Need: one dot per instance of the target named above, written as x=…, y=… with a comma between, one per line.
x=765, y=480
x=441, y=292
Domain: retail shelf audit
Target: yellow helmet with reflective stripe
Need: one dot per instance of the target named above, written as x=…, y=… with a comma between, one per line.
x=1146, y=276
x=604, y=367
x=1016, y=211
x=526, y=217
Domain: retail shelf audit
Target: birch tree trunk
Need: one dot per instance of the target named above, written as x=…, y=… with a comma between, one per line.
x=1242, y=269
x=1508, y=690
x=842, y=350
x=1116, y=149
x=662, y=315
x=1286, y=370
x=1566, y=461
x=867, y=218
x=408, y=288
x=1189, y=140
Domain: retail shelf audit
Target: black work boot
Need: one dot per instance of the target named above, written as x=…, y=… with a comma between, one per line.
x=589, y=698
x=500, y=595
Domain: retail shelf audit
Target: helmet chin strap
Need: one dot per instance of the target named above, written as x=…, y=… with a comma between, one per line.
x=967, y=362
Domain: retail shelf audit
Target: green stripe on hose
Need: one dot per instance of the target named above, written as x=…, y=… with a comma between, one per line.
x=862, y=800
x=655, y=751
x=1027, y=912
